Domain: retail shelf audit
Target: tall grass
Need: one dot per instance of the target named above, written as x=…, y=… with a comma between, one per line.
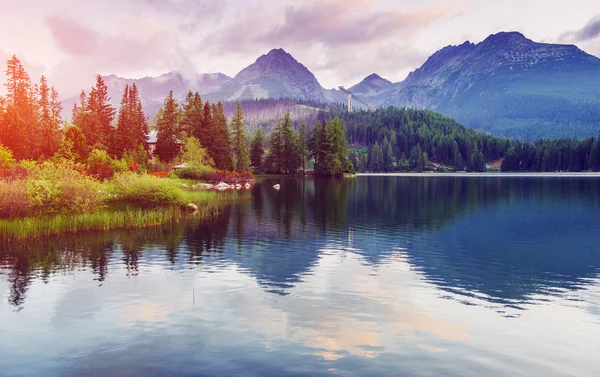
x=34, y=227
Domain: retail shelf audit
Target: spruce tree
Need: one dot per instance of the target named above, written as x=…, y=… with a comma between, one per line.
x=132, y=126
x=139, y=129
x=49, y=122
x=123, y=123
x=376, y=158
x=290, y=155
x=336, y=136
x=303, y=146
x=221, y=148
x=167, y=147
x=192, y=115
x=257, y=151
x=319, y=147
x=19, y=131
x=594, y=159
x=388, y=160
x=274, y=163
x=240, y=149
x=98, y=128
x=458, y=161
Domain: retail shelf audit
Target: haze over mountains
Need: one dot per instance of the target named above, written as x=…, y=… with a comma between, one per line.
x=507, y=85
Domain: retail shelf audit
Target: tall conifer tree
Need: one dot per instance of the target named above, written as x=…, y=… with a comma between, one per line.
x=240, y=149
x=257, y=151
x=167, y=147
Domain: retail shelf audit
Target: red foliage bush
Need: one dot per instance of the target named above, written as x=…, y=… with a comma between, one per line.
x=12, y=172
x=160, y=174
x=229, y=176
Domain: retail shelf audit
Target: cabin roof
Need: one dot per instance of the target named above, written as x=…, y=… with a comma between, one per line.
x=153, y=137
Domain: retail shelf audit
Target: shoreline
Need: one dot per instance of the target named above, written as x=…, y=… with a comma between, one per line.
x=490, y=174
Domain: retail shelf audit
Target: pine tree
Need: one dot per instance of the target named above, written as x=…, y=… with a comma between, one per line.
x=594, y=159
x=240, y=149
x=376, y=158
x=404, y=165
x=336, y=135
x=49, y=118
x=98, y=128
x=132, y=126
x=290, y=156
x=192, y=114
x=458, y=161
x=221, y=148
x=422, y=162
x=167, y=146
x=19, y=131
x=415, y=154
x=257, y=151
x=139, y=130
x=79, y=113
x=388, y=160
x=303, y=146
x=124, y=121
x=274, y=162
x=320, y=147
x=205, y=133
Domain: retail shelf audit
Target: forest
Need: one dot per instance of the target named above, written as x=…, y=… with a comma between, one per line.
x=280, y=136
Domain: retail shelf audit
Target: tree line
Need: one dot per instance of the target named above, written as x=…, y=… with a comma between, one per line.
x=400, y=139
x=32, y=129
x=310, y=136
x=568, y=155
x=289, y=150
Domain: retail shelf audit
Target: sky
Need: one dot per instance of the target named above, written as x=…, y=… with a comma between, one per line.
x=340, y=41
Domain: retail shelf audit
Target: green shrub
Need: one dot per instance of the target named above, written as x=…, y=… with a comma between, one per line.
x=49, y=188
x=146, y=191
x=195, y=173
x=63, y=188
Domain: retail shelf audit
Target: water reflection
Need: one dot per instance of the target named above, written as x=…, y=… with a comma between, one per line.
x=371, y=276
x=494, y=239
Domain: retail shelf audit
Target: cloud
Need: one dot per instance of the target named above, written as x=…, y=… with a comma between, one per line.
x=591, y=30
x=330, y=22
x=352, y=37
x=140, y=43
x=72, y=37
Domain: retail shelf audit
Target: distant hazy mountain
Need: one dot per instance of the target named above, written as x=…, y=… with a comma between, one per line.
x=274, y=75
x=508, y=85
x=370, y=86
x=154, y=90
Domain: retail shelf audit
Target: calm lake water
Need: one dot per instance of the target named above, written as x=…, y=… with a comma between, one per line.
x=374, y=276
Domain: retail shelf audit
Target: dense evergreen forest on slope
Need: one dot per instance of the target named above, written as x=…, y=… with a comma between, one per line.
x=400, y=139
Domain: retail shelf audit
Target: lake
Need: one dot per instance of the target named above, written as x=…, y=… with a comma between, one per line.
x=372, y=276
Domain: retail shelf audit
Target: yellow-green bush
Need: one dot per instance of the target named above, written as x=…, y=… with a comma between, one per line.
x=146, y=191
x=50, y=188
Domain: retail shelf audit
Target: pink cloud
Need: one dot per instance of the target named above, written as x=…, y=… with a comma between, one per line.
x=144, y=44
x=344, y=38
x=72, y=37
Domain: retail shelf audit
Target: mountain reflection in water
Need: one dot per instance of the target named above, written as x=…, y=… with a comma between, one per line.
x=373, y=275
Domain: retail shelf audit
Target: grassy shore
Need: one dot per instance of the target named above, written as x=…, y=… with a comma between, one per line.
x=53, y=200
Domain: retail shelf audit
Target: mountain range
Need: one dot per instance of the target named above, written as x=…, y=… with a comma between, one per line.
x=507, y=85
